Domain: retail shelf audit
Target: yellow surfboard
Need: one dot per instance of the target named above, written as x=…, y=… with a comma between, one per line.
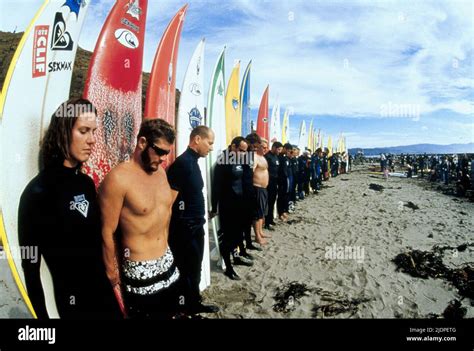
x=233, y=116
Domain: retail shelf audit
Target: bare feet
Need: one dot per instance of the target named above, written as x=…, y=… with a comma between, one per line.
x=284, y=217
x=262, y=241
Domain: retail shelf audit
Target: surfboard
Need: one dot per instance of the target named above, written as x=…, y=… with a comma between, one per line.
x=347, y=155
x=310, y=136
x=245, y=101
x=161, y=92
x=233, y=117
x=314, y=140
x=114, y=86
x=303, y=139
x=285, y=130
x=191, y=115
x=275, y=124
x=329, y=154
x=262, y=119
x=216, y=121
x=398, y=174
x=37, y=82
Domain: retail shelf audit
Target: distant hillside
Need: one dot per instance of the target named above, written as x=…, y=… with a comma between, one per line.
x=9, y=42
x=418, y=149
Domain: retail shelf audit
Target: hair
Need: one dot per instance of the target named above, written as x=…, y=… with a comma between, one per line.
x=237, y=140
x=156, y=128
x=253, y=138
x=264, y=141
x=277, y=144
x=56, y=144
x=202, y=131
x=288, y=146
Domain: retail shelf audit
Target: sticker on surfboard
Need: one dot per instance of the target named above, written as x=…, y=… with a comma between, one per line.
x=127, y=38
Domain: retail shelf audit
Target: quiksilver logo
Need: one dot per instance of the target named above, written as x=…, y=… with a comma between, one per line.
x=37, y=334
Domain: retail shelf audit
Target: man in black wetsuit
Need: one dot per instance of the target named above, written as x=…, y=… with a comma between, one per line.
x=324, y=164
x=273, y=166
x=227, y=196
x=186, y=238
x=294, y=175
x=283, y=181
x=242, y=257
x=59, y=214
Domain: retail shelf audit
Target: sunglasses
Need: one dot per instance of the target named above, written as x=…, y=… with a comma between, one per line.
x=159, y=151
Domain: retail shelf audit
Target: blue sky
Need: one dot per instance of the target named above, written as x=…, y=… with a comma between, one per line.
x=384, y=73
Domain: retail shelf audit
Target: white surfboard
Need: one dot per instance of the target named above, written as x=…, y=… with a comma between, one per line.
x=191, y=115
x=275, y=123
x=216, y=120
x=303, y=138
x=37, y=82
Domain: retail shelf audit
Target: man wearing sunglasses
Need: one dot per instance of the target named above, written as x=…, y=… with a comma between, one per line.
x=136, y=201
x=188, y=219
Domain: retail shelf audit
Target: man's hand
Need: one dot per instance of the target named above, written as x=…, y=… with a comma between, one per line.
x=119, y=297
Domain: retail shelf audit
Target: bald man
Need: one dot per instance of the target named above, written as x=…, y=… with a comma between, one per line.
x=188, y=219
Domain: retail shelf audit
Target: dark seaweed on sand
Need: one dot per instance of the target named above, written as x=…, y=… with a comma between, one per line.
x=454, y=311
x=287, y=295
x=411, y=205
x=429, y=264
x=421, y=264
x=376, y=187
x=336, y=306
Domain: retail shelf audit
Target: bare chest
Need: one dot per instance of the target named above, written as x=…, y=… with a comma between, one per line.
x=148, y=197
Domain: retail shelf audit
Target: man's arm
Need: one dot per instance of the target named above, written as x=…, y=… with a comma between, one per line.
x=111, y=198
x=216, y=187
x=175, y=179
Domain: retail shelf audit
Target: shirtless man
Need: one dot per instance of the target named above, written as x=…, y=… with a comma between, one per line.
x=260, y=183
x=136, y=201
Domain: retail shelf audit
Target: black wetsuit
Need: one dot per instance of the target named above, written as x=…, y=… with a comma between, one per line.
x=324, y=167
x=186, y=237
x=59, y=214
x=228, y=198
x=283, y=184
x=250, y=204
x=294, y=178
x=273, y=165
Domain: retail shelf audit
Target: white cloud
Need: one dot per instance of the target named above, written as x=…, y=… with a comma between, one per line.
x=337, y=58
x=332, y=60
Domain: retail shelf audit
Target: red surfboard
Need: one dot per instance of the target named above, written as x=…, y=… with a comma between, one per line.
x=262, y=120
x=114, y=86
x=161, y=93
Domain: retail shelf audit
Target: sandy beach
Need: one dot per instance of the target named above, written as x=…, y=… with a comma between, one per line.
x=368, y=228
x=377, y=226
